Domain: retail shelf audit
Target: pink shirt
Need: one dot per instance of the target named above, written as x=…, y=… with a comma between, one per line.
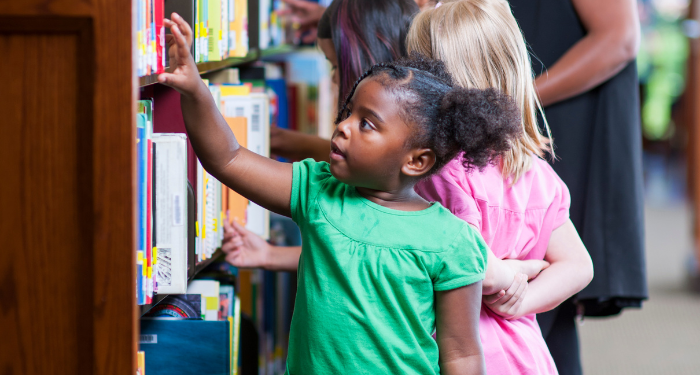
x=516, y=222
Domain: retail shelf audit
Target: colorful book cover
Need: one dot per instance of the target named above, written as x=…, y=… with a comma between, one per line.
x=141, y=170
x=214, y=30
x=238, y=29
x=195, y=27
x=209, y=290
x=204, y=31
x=183, y=306
x=223, y=47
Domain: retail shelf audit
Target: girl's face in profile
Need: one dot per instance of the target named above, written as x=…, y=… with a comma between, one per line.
x=328, y=49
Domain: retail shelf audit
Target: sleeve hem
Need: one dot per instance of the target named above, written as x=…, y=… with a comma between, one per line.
x=458, y=283
x=294, y=199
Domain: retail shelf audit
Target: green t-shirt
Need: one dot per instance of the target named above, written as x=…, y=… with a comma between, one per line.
x=367, y=276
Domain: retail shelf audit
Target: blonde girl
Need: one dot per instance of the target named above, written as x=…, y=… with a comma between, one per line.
x=520, y=206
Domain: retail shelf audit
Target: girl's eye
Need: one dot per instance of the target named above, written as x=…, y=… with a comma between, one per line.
x=365, y=125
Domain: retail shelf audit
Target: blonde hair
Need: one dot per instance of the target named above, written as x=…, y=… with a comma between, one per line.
x=482, y=47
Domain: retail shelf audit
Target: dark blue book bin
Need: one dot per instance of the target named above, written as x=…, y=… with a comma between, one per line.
x=186, y=347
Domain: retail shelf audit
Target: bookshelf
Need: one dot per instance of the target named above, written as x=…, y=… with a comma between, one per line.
x=211, y=66
x=68, y=92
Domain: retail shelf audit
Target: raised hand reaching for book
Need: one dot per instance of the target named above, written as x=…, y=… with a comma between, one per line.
x=182, y=64
x=260, y=179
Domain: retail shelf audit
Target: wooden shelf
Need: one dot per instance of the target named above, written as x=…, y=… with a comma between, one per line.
x=279, y=50
x=200, y=266
x=212, y=66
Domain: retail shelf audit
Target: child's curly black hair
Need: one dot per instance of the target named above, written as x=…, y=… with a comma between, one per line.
x=482, y=124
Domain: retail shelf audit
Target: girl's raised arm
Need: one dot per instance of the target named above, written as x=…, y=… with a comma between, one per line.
x=260, y=179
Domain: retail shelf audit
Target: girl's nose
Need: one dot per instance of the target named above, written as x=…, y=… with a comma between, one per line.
x=343, y=129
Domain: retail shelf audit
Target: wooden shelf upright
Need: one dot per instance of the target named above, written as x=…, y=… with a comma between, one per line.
x=67, y=202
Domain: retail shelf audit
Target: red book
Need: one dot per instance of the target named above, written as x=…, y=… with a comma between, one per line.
x=160, y=36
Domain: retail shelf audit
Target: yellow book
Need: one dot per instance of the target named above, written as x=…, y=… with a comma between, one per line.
x=238, y=29
x=141, y=363
x=214, y=30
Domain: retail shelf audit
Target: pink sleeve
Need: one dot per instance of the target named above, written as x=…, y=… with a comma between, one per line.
x=451, y=188
x=564, y=204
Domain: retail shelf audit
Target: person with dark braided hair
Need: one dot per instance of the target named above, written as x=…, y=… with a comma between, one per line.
x=381, y=268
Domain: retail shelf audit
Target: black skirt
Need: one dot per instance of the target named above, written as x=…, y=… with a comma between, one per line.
x=597, y=138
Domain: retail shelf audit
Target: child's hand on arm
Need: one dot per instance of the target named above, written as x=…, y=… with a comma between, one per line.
x=458, y=330
x=260, y=179
x=245, y=249
x=570, y=270
x=507, y=303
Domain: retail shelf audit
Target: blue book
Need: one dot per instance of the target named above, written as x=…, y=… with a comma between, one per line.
x=185, y=347
x=279, y=86
x=141, y=153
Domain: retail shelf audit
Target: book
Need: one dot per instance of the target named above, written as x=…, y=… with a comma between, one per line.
x=171, y=212
x=236, y=204
x=255, y=108
x=238, y=29
x=209, y=290
x=160, y=46
x=214, y=30
x=186, y=346
x=145, y=108
x=140, y=363
x=183, y=306
x=186, y=9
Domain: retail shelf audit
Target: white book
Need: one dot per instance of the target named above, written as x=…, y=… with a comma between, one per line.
x=256, y=109
x=170, y=226
x=199, y=225
x=209, y=290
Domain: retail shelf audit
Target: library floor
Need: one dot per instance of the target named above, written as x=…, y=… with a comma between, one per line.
x=664, y=336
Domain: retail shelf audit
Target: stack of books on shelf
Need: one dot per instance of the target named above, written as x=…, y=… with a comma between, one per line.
x=220, y=30
x=150, y=37
x=193, y=333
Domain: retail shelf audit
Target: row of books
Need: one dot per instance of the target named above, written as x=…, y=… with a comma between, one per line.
x=220, y=30
x=220, y=27
x=193, y=333
x=168, y=189
x=150, y=36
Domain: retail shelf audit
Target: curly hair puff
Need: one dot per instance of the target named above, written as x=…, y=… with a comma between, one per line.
x=480, y=124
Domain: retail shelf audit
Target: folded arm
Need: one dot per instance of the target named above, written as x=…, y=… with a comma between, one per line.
x=611, y=42
x=570, y=270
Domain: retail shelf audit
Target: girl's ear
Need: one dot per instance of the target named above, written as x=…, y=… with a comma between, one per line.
x=421, y=162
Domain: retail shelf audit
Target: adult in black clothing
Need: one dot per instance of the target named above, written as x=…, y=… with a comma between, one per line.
x=584, y=53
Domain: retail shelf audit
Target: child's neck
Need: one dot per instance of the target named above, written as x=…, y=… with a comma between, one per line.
x=403, y=199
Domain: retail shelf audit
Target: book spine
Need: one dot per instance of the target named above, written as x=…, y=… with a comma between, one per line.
x=160, y=36
x=149, y=219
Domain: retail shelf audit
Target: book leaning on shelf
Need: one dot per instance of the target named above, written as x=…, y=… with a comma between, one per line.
x=195, y=333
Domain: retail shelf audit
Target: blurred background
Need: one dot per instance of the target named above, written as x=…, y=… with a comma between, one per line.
x=664, y=336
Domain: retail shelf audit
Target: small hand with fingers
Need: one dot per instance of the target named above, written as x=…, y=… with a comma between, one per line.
x=182, y=74
x=507, y=303
x=243, y=248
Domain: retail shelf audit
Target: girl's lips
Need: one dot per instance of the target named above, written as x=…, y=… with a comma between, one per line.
x=336, y=153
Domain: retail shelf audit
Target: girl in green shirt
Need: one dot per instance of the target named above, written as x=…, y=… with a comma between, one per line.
x=381, y=268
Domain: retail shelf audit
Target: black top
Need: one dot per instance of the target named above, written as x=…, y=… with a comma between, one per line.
x=597, y=138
